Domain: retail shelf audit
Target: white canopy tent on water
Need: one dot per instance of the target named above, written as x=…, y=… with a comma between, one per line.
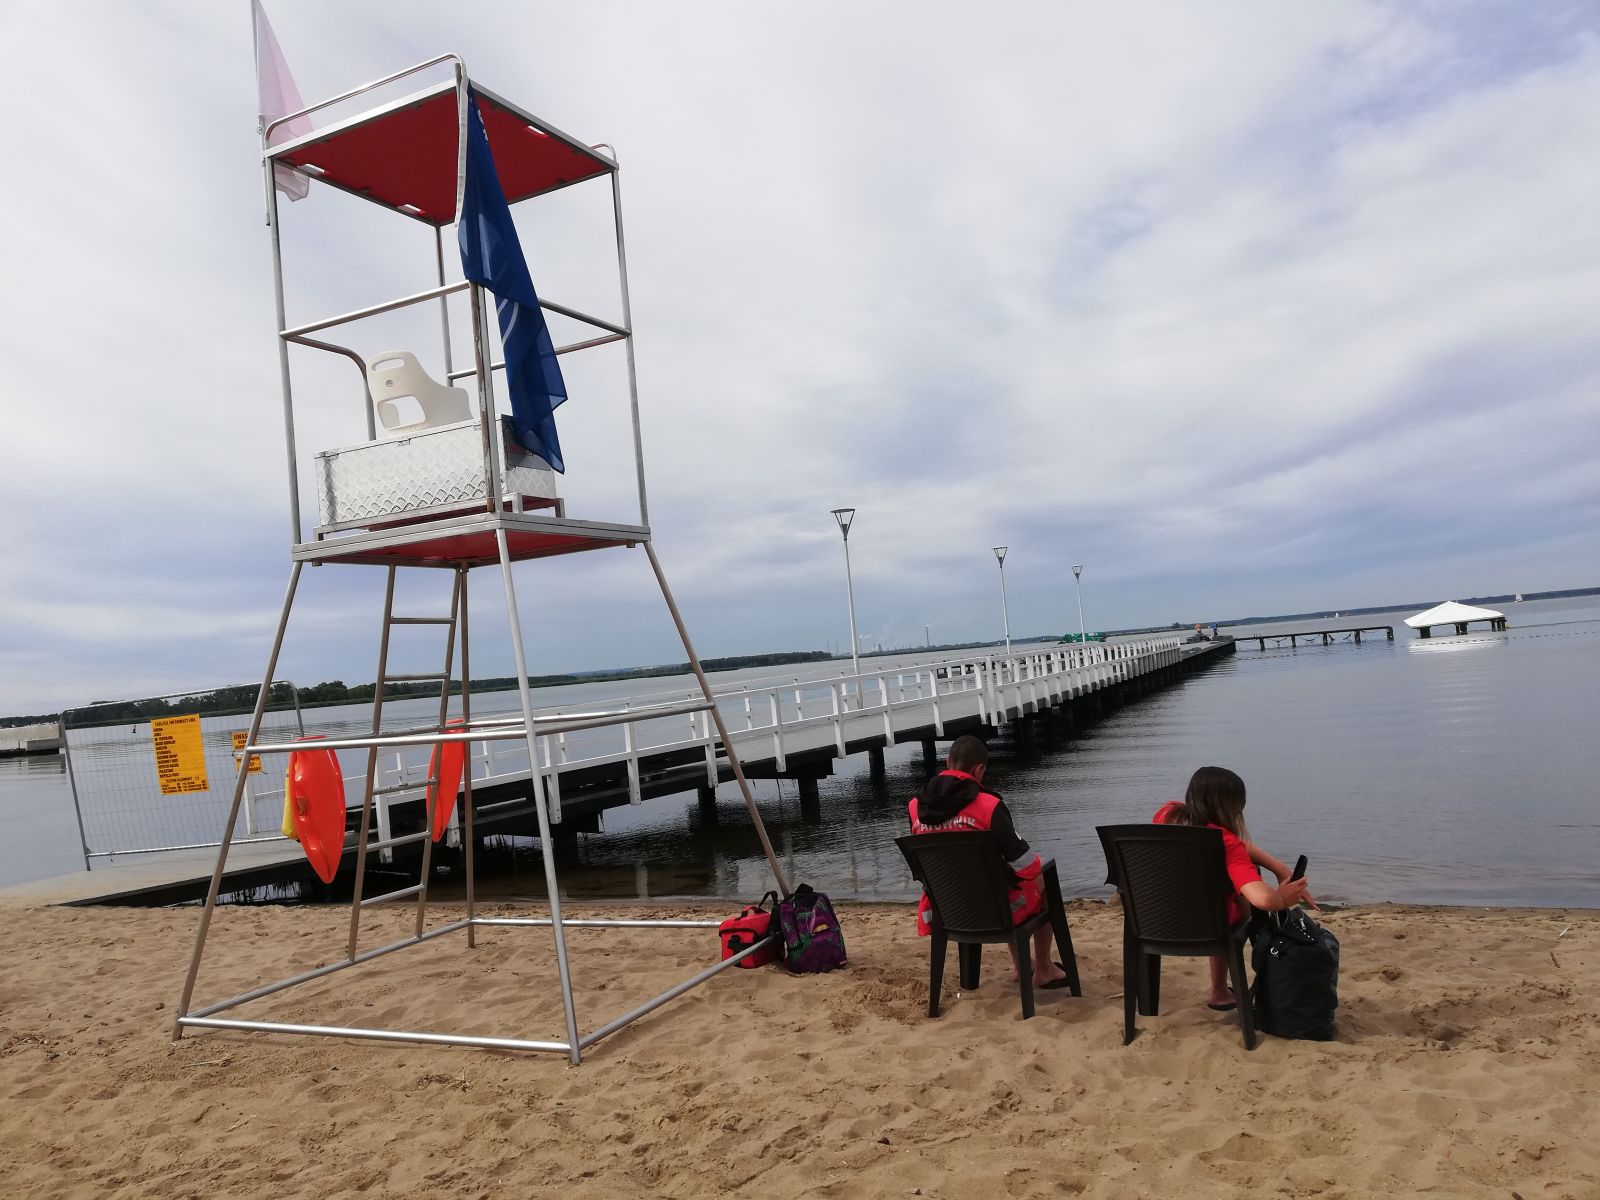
x=1452, y=613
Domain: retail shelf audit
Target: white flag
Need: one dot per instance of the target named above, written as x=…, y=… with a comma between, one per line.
x=277, y=95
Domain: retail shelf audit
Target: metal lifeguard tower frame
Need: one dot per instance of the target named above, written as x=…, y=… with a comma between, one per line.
x=409, y=157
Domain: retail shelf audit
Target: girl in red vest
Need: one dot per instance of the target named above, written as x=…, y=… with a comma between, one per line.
x=955, y=799
x=1216, y=799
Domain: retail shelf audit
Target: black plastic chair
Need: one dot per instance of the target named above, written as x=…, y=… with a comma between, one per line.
x=969, y=884
x=1175, y=891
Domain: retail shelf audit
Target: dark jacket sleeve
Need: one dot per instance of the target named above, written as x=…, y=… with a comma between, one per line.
x=1017, y=852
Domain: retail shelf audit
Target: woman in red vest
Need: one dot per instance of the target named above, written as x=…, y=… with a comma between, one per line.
x=1215, y=798
x=955, y=799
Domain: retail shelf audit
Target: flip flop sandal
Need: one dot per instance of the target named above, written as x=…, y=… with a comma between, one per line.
x=1064, y=981
x=1228, y=1007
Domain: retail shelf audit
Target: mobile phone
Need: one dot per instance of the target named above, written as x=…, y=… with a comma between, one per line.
x=1299, y=869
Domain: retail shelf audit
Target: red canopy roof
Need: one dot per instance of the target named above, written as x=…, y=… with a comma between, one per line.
x=403, y=155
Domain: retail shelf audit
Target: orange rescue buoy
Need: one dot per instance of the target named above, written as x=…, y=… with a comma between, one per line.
x=315, y=788
x=445, y=767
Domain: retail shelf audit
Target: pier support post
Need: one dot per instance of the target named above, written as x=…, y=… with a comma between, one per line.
x=875, y=765
x=810, y=801
x=930, y=754
x=564, y=841
x=706, y=798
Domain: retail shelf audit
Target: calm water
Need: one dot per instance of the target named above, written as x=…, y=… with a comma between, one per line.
x=1453, y=770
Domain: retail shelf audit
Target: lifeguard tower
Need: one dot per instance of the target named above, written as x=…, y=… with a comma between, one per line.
x=442, y=480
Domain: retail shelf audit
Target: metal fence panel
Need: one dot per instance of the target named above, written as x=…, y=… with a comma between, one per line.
x=158, y=772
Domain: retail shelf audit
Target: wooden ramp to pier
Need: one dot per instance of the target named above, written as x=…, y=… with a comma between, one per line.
x=166, y=876
x=797, y=729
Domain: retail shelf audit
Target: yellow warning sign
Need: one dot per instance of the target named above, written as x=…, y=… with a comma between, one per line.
x=239, y=738
x=180, y=756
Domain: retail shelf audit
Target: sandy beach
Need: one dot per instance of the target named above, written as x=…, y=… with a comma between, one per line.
x=1466, y=1066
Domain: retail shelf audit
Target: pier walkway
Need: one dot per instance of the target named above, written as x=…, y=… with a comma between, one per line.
x=795, y=729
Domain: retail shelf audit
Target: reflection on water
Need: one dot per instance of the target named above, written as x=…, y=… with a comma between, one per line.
x=1451, y=645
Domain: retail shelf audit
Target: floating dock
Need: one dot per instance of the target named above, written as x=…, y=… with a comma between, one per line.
x=30, y=739
x=1326, y=635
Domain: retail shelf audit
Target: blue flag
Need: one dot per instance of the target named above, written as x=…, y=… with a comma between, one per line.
x=492, y=256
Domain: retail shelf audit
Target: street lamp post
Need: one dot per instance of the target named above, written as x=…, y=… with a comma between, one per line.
x=1077, y=575
x=1005, y=611
x=845, y=517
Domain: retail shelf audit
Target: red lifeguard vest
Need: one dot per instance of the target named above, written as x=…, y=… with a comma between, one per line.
x=978, y=815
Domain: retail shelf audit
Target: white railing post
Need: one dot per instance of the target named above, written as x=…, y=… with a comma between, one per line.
x=777, y=733
x=380, y=809
x=552, y=775
x=711, y=750
x=632, y=751
x=888, y=718
x=838, y=720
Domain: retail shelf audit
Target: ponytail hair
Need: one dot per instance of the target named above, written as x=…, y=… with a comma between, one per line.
x=1216, y=797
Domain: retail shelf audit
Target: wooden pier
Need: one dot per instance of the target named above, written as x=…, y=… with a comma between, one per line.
x=809, y=726
x=1327, y=636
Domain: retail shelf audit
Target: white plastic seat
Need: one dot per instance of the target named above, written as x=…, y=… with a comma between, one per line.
x=394, y=375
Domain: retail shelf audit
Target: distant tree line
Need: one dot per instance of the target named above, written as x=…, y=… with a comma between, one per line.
x=37, y=719
x=213, y=703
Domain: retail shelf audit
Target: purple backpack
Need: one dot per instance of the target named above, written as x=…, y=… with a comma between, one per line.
x=812, y=940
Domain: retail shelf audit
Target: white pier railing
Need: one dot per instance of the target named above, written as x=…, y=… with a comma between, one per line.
x=773, y=719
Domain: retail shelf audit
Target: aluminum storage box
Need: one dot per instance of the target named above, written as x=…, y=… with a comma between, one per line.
x=425, y=474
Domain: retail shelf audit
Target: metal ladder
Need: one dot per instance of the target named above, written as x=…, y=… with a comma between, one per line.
x=444, y=678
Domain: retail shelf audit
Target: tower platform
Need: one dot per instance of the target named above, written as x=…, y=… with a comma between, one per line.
x=470, y=541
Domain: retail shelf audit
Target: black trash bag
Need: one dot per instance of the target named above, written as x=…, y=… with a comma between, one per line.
x=1296, y=989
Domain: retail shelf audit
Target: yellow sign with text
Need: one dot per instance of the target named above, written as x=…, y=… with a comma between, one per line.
x=180, y=755
x=239, y=738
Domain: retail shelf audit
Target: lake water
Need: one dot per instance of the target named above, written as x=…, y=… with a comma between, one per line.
x=1459, y=770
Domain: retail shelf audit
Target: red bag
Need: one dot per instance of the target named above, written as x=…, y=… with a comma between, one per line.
x=750, y=927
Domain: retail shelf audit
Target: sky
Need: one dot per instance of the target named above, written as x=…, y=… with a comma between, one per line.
x=1247, y=307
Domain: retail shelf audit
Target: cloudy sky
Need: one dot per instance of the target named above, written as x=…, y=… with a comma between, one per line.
x=1249, y=307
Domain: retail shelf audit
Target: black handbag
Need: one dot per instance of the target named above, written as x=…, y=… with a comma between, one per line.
x=1296, y=963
